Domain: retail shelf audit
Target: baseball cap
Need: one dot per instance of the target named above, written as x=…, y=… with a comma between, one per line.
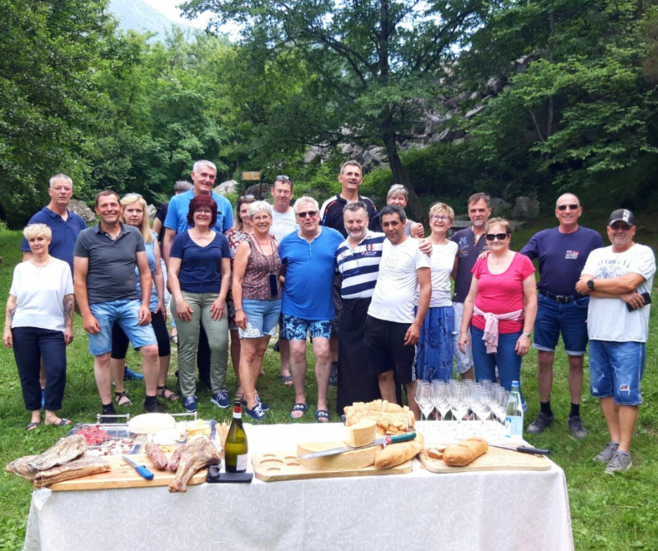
x=622, y=215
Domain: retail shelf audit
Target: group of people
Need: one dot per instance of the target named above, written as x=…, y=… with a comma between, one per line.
x=363, y=284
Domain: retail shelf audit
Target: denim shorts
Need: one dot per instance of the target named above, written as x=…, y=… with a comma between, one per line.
x=568, y=318
x=126, y=314
x=616, y=369
x=295, y=329
x=262, y=318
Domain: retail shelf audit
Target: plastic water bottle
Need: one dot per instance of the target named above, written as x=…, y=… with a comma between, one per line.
x=514, y=417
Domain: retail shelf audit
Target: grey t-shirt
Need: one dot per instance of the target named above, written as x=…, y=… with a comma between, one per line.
x=111, y=274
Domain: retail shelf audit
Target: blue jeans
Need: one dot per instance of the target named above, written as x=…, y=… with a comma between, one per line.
x=567, y=318
x=126, y=314
x=507, y=360
x=616, y=369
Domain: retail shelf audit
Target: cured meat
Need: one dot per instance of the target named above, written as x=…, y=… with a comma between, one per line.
x=65, y=450
x=73, y=469
x=20, y=467
x=174, y=460
x=156, y=455
x=197, y=455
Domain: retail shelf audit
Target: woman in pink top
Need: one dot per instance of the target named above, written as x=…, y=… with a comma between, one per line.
x=501, y=307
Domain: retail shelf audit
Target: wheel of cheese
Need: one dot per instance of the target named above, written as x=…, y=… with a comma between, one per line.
x=361, y=434
x=357, y=459
x=150, y=423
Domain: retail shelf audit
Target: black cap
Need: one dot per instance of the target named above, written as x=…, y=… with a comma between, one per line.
x=622, y=215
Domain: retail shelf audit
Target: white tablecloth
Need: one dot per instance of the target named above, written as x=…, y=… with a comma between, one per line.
x=503, y=510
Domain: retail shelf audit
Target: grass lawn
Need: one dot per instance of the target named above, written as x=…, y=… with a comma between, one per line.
x=608, y=512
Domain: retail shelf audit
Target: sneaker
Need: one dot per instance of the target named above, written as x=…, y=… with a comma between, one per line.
x=220, y=400
x=576, y=427
x=256, y=413
x=333, y=376
x=620, y=462
x=539, y=424
x=154, y=407
x=130, y=375
x=189, y=403
x=608, y=453
x=263, y=405
x=108, y=410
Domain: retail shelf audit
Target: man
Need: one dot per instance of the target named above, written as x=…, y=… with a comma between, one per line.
x=331, y=214
x=284, y=222
x=308, y=258
x=471, y=243
x=618, y=280
x=562, y=253
x=392, y=330
x=105, y=256
x=204, y=174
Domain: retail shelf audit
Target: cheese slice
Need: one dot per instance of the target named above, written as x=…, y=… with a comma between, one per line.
x=361, y=434
x=346, y=461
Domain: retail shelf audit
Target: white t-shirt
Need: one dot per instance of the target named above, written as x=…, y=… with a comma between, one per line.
x=40, y=294
x=608, y=319
x=442, y=261
x=283, y=223
x=397, y=282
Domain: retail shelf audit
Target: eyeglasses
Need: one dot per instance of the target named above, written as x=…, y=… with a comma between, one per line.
x=202, y=211
x=570, y=207
x=499, y=236
x=306, y=213
x=440, y=217
x=623, y=227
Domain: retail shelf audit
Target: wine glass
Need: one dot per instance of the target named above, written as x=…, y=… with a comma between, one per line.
x=425, y=397
x=481, y=401
x=459, y=402
x=441, y=398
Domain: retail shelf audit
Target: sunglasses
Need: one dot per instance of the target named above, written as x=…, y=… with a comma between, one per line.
x=570, y=207
x=306, y=213
x=623, y=227
x=499, y=236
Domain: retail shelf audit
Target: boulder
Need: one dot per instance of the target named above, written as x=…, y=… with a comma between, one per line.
x=499, y=206
x=81, y=208
x=474, y=112
x=525, y=208
x=230, y=186
x=259, y=191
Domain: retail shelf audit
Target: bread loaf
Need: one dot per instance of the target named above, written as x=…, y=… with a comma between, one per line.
x=396, y=454
x=464, y=453
x=390, y=418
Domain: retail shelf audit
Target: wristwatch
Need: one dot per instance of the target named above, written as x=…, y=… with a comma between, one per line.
x=526, y=335
x=590, y=284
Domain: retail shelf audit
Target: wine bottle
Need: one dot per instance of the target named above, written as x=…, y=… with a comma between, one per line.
x=235, y=450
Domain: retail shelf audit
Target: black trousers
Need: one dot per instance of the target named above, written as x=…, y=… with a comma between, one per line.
x=30, y=345
x=120, y=340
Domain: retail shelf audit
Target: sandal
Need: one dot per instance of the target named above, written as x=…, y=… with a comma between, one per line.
x=298, y=407
x=33, y=425
x=121, y=399
x=322, y=416
x=286, y=380
x=162, y=392
x=61, y=423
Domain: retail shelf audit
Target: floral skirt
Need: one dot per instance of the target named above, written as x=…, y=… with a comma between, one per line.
x=434, y=350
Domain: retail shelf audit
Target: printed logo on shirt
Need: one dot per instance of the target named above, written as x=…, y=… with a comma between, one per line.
x=369, y=250
x=571, y=255
x=463, y=247
x=392, y=260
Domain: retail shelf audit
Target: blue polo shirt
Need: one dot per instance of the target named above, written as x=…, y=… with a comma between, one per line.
x=65, y=233
x=179, y=206
x=307, y=293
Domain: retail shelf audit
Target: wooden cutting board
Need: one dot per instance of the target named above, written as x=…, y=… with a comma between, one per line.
x=123, y=475
x=272, y=467
x=496, y=459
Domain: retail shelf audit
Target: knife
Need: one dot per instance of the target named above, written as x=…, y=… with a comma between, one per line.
x=523, y=449
x=383, y=441
x=141, y=469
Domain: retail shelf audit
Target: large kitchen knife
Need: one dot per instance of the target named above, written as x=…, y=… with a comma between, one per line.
x=383, y=441
x=523, y=449
x=141, y=469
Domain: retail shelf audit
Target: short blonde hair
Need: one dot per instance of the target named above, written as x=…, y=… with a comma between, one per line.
x=442, y=207
x=131, y=198
x=501, y=222
x=37, y=230
x=260, y=206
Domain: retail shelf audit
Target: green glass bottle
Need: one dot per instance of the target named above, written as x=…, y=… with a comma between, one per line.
x=235, y=452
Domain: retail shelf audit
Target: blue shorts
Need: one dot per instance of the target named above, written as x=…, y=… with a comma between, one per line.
x=295, y=329
x=126, y=314
x=568, y=318
x=262, y=318
x=616, y=369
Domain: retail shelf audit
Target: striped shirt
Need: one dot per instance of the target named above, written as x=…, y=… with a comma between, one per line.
x=360, y=267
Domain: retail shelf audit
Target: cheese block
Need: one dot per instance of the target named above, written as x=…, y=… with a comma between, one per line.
x=356, y=459
x=150, y=423
x=197, y=428
x=361, y=434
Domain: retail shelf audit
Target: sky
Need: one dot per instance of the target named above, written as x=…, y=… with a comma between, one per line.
x=168, y=8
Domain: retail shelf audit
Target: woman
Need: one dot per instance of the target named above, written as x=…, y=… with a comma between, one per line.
x=435, y=345
x=199, y=275
x=503, y=284
x=398, y=195
x=39, y=323
x=237, y=234
x=134, y=214
x=257, y=296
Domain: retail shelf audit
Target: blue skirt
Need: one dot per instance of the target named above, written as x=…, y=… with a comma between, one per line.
x=435, y=347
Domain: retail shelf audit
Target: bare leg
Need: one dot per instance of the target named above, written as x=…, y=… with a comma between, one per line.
x=284, y=350
x=261, y=348
x=470, y=374
x=627, y=419
x=575, y=378
x=298, y=371
x=103, y=378
x=150, y=368
x=611, y=414
x=117, y=368
x=251, y=361
x=42, y=375
x=387, y=386
x=413, y=406
x=545, y=374
x=321, y=349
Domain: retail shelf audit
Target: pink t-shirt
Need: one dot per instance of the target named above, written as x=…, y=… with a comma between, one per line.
x=501, y=293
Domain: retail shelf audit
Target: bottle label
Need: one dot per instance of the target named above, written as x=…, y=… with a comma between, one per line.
x=514, y=426
x=241, y=464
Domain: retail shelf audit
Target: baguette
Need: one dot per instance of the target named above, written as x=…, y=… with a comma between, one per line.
x=464, y=453
x=396, y=454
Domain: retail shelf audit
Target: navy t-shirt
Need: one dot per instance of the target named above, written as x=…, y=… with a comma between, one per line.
x=562, y=257
x=468, y=253
x=201, y=267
